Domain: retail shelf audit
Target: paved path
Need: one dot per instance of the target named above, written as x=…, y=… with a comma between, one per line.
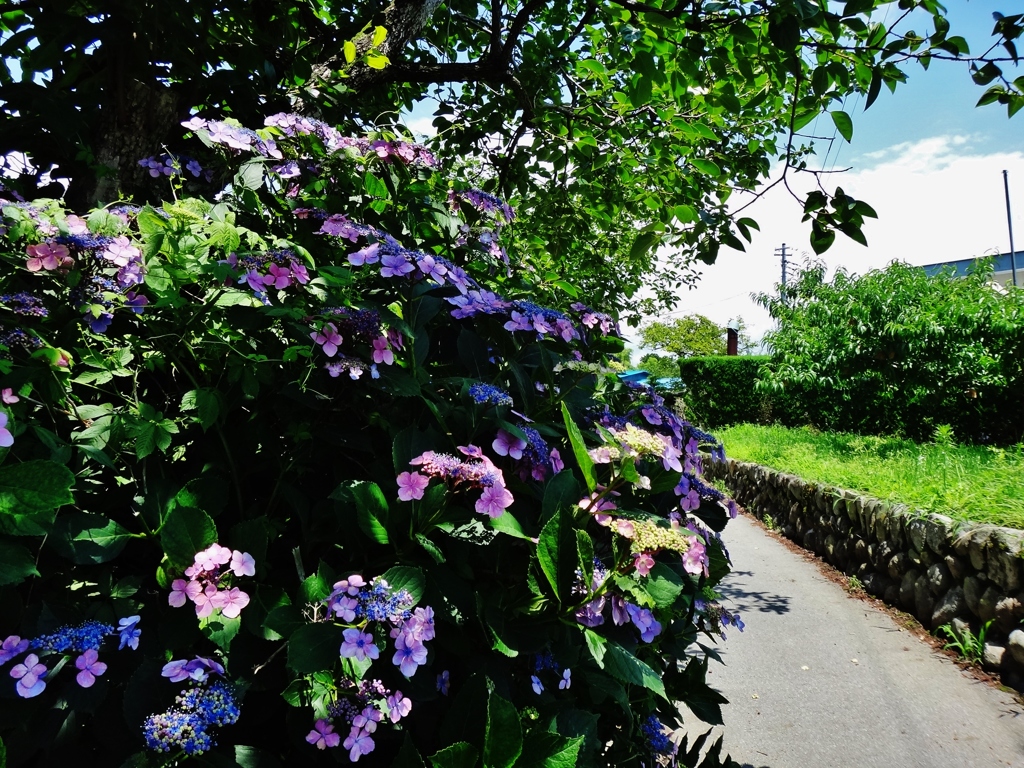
x=823, y=680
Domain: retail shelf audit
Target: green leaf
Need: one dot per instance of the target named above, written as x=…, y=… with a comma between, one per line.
x=706, y=166
x=844, y=124
x=508, y=524
x=29, y=494
x=408, y=756
x=284, y=620
x=349, y=49
x=597, y=646
x=408, y=578
x=432, y=549
x=561, y=492
x=314, y=647
x=16, y=563
x=623, y=665
x=503, y=738
x=643, y=244
x=186, y=531
x=380, y=34
x=664, y=585
x=459, y=755
x=86, y=538
x=549, y=750
x=557, y=553
x=371, y=510
x=579, y=449
x=374, y=187
x=250, y=175
x=221, y=630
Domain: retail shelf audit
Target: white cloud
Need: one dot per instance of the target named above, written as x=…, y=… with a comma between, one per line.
x=935, y=199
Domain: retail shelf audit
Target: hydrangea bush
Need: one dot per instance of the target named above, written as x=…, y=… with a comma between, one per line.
x=302, y=473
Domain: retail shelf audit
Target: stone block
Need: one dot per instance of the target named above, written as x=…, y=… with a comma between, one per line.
x=939, y=578
x=949, y=607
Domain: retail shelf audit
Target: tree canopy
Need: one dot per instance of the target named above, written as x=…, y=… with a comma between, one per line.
x=631, y=124
x=687, y=336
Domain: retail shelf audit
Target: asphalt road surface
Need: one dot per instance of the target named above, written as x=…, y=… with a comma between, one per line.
x=822, y=680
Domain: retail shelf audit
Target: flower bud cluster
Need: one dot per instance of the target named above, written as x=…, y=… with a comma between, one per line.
x=476, y=471
x=209, y=582
x=84, y=639
x=186, y=725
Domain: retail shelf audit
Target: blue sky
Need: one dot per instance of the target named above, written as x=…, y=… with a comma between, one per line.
x=925, y=158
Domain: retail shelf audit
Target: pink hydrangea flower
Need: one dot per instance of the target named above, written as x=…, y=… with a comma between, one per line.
x=182, y=590
x=358, y=645
x=509, y=445
x=494, y=501
x=206, y=601
x=8, y=396
x=411, y=485
x=359, y=742
x=328, y=338
x=30, y=676
x=382, y=352
x=242, y=564
x=323, y=735
x=45, y=256
x=90, y=668
x=398, y=707
x=6, y=438
x=643, y=563
x=11, y=647
x=213, y=557
x=231, y=602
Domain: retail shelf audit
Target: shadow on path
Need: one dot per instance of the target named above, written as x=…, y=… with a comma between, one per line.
x=741, y=599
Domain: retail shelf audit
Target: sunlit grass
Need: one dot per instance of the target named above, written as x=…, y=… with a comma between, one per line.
x=967, y=483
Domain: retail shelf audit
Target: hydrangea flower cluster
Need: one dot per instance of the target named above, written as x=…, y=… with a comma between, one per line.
x=174, y=165
x=237, y=138
x=655, y=735
x=353, y=601
x=717, y=616
x=84, y=639
x=266, y=270
x=544, y=663
x=369, y=704
x=112, y=269
x=209, y=582
x=476, y=471
x=534, y=458
x=186, y=725
x=23, y=303
x=484, y=394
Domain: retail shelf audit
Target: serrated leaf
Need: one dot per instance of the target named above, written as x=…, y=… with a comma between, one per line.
x=579, y=449
x=16, y=563
x=503, y=737
x=86, y=538
x=186, y=531
x=623, y=665
x=314, y=647
x=459, y=755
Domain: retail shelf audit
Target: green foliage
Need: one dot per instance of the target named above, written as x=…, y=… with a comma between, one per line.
x=331, y=372
x=897, y=352
x=687, y=336
x=976, y=483
x=723, y=390
x=620, y=129
x=968, y=645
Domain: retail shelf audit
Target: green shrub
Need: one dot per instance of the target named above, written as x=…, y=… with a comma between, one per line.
x=318, y=481
x=721, y=390
x=895, y=351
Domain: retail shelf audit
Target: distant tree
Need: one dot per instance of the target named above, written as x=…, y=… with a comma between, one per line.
x=686, y=336
x=660, y=367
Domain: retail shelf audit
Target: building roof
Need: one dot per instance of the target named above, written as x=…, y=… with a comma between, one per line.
x=1000, y=263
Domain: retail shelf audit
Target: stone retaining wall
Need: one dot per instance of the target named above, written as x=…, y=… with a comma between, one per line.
x=940, y=570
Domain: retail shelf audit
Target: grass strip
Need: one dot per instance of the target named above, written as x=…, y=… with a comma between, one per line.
x=976, y=483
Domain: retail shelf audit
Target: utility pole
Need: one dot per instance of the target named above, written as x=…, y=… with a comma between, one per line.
x=782, y=251
x=1009, y=224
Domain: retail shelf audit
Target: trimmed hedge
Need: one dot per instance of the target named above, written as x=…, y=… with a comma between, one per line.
x=721, y=390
